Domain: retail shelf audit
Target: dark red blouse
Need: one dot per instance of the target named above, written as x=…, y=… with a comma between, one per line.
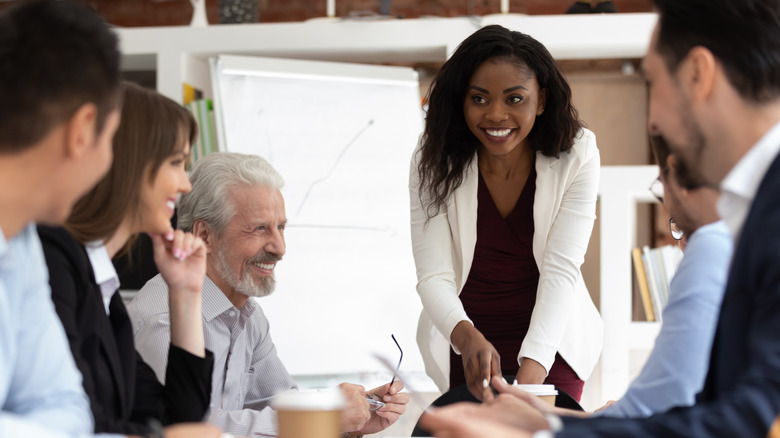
x=500, y=291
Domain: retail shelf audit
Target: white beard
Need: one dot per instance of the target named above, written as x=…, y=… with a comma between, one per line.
x=246, y=285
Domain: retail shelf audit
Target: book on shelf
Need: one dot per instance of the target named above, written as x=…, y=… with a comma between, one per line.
x=641, y=278
x=653, y=282
x=203, y=111
x=190, y=93
x=655, y=268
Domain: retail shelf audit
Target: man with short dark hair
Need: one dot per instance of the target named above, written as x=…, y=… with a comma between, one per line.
x=713, y=75
x=59, y=82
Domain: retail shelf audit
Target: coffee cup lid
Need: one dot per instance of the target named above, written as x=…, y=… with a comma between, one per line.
x=537, y=389
x=305, y=400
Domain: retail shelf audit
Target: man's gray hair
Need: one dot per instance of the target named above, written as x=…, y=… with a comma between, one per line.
x=212, y=177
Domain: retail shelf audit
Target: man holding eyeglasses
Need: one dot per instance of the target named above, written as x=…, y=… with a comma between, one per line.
x=237, y=208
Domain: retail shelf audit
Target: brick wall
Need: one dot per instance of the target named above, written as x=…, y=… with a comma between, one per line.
x=129, y=13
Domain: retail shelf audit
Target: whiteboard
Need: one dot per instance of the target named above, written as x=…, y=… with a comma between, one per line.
x=342, y=136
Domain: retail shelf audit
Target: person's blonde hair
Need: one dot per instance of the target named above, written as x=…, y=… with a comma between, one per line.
x=153, y=127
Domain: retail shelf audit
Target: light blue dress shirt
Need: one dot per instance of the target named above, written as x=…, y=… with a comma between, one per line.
x=40, y=387
x=676, y=368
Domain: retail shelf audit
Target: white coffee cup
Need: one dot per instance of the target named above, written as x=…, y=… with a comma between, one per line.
x=310, y=414
x=545, y=392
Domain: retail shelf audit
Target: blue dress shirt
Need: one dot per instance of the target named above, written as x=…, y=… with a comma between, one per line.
x=675, y=370
x=40, y=388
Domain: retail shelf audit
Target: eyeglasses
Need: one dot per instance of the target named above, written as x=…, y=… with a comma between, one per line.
x=657, y=189
x=399, y=360
x=677, y=232
x=416, y=396
x=374, y=401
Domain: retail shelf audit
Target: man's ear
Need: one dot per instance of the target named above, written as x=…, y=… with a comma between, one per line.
x=671, y=161
x=698, y=73
x=200, y=229
x=80, y=131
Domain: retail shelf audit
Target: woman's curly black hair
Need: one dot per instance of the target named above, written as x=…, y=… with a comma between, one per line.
x=448, y=146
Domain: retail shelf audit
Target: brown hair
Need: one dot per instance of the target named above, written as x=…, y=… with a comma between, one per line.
x=153, y=128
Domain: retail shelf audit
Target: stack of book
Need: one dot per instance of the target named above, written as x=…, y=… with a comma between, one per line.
x=654, y=268
x=203, y=111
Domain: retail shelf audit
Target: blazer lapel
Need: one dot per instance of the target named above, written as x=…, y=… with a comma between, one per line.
x=548, y=182
x=463, y=223
x=108, y=343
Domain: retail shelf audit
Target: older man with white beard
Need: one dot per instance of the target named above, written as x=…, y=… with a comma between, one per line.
x=237, y=208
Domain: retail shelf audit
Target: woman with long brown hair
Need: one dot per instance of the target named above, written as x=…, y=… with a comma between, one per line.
x=138, y=195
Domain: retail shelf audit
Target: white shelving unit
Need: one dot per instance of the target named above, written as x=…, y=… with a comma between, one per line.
x=620, y=190
x=180, y=54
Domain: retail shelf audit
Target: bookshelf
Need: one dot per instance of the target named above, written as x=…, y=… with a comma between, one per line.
x=620, y=190
x=180, y=54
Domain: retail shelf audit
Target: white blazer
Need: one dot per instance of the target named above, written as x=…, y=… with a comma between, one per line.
x=564, y=319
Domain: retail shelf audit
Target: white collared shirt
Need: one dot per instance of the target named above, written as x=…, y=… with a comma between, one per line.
x=741, y=184
x=105, y=274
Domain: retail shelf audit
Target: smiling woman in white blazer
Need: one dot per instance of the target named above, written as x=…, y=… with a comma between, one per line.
x=444, y=220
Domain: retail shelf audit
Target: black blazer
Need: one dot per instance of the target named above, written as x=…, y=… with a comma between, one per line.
x=123, y=390
x=741, y=394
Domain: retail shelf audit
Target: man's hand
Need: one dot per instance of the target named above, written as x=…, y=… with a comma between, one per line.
x=395, y=406
x=356, y=412
x=502, y=387
x=192, y=430
x=514, y=407
x=512, y=411
x=468, y=420
x=480, y=358
x=537, y=403
x=606, y=405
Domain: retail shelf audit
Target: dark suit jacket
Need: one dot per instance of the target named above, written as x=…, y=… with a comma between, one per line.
x=741, y=395
x=123, y=390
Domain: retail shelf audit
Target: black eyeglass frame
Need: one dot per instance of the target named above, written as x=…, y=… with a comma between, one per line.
x=375, y=402
x=676, y=232
x=655, y=183
x=399, y=360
